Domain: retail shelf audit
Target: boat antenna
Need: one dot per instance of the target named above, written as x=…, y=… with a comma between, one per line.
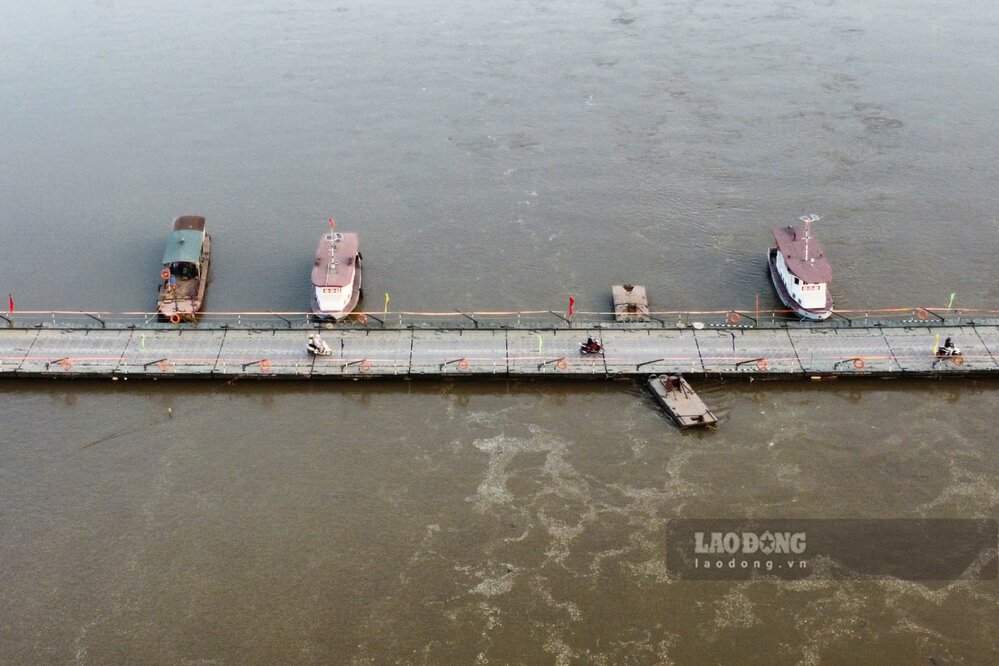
x=808, y=219
x=331, y=264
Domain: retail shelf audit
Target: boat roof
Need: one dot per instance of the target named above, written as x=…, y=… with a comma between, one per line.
x=791, y=243
x=191, y=222
x=334, y=265
x=184, y=245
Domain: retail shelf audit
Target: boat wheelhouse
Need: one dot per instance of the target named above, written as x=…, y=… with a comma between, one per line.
x=800, y=271
x=185, y=269
x=336, y=276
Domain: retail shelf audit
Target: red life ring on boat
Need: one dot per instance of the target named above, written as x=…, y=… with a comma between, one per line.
x=365, y=366
x=66, y=364
x=734, y=317
x=463, y=364
x=958, y=360
x=175, y=318
x=922, y=314
x=165, y=273
x=561, y=365
x=362, y=318
x=265, y=365
x=164, y=366
x=762, y=364
x=858, y=363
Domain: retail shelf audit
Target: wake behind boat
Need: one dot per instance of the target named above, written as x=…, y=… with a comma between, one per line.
x=800, y=271
x=185, y=270
x=336, y=276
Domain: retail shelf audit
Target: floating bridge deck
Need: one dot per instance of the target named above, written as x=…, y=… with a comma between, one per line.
x=899, y=343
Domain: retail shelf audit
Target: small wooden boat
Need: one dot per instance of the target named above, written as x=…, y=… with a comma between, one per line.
x=680, y=402
x=800, y=271
x=336, y=276
x=185, y=270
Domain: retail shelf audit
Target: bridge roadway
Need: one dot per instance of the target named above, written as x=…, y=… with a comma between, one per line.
x=191, y=351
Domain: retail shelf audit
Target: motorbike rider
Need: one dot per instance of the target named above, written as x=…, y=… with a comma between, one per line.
x=948, y=347
x=316, y=344
x=592, y=345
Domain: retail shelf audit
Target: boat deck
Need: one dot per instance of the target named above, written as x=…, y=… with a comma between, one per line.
x=631, y=304
x=194, y=350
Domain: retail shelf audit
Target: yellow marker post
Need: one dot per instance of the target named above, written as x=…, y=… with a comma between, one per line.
x=936, y=345
x=386, y=305
x=541, y=343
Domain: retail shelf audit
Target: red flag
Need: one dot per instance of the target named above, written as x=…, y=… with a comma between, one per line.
x=331, y=223
x=10, y=298
x=572, y=301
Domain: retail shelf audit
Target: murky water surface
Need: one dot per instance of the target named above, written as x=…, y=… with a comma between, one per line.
x=501, y=155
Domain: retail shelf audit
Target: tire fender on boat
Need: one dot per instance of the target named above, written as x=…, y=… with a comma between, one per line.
x=175, y=318
x=165, y=273
x=859, y=363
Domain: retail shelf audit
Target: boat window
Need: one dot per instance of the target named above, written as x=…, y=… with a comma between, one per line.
x=797, y=281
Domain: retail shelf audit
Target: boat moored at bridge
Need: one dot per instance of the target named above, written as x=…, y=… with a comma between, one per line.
x=184, y=276
x=800, y=271
x=336, y=276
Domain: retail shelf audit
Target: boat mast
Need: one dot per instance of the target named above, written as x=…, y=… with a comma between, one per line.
x=808, y=219
x=331, y=264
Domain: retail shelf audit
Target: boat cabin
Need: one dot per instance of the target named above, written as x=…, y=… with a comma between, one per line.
x=184, y=248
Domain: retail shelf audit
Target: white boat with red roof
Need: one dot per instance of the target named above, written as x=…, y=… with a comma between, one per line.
x=800, y=271
x=336, y=276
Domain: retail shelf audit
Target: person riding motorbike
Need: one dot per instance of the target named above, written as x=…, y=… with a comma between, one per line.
x=948, y=349
x=591, y=346
x=317, y=345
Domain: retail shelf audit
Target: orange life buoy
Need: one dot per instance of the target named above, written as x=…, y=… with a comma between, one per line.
x=922, y=314
x=365, y=366
x=463, y=364
x=362, y=318
x=762, y=364
x=858, y=363
x=175, y=318
x=164, y=366
x=66, y=364
x=561, y=365
x=958, y=360
x=165, y=273
x=265, y=365
x=734, y=317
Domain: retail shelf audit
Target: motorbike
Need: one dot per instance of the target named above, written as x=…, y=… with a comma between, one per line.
x=318, y=347
x=589, y=347
x=948, y=351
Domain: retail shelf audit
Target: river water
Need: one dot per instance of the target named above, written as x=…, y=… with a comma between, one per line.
x=498, y=155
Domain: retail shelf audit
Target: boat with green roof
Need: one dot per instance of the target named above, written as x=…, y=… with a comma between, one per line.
x=185, y=270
